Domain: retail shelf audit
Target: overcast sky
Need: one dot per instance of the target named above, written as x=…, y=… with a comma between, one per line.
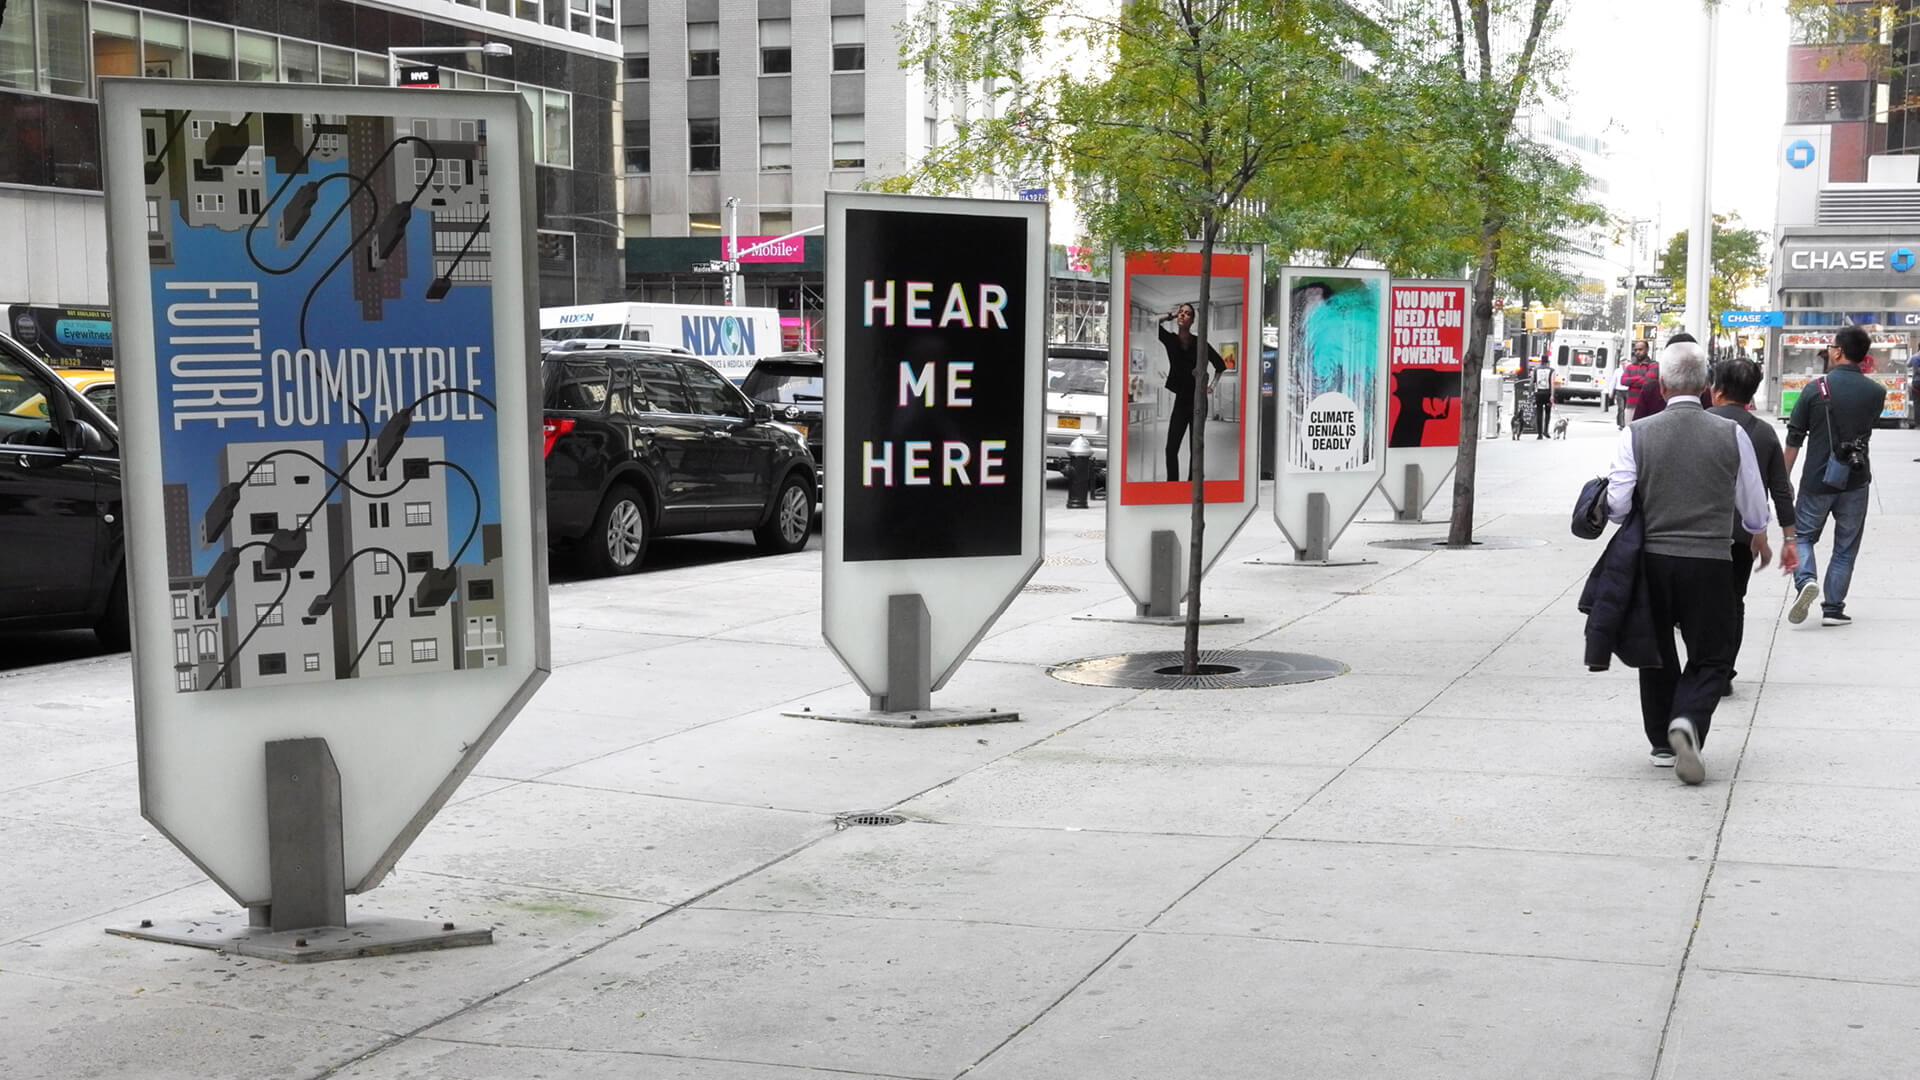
x=1634, y=76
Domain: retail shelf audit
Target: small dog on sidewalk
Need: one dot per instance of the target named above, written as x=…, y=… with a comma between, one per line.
x=1519, y=425
x=1560, y=428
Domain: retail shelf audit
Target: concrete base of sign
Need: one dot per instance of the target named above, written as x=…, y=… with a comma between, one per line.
x=1317, y=563
x=1413, y=496
x=376, y=936
x=1176, y=619
x=916, y=718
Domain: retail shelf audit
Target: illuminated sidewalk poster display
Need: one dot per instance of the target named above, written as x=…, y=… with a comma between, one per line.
x=322, y=311
x=1334, y=372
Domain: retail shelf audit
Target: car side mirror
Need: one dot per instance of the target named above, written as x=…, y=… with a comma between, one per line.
x=83, y=438
x=761, y=411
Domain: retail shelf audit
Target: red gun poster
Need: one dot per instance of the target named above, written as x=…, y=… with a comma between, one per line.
x=1429, y=341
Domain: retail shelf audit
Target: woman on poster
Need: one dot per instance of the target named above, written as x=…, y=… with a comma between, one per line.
x=1182, y=366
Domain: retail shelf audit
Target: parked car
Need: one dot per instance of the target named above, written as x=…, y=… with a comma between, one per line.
x=643, y=441
x=62, y=550
x=794, y=386
x=1076, y=403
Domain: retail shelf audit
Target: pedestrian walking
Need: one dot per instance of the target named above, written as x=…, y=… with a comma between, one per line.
x=1652, y=399
x=1690, y=473
x=1638, y=371
x=1834, y=420
x=1734, y=383
x=1542, y=397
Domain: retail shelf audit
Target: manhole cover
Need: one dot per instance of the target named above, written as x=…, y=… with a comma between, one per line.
x=1067, y=560
x=1221, y=669
x=868, y=817
x=1485, y=543
x=1052, y=589
x=1092, y=534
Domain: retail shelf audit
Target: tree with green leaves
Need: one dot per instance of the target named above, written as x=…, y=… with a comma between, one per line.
x=1163, y=117
x=1740, y=261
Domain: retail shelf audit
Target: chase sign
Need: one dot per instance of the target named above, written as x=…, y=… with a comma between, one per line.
x=1851, y=257
x=1800, y=153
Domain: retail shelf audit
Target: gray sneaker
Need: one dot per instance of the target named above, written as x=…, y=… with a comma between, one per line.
x=1662, y=759
x=1808, y=594
x=1686, y=751
x=1835, y=618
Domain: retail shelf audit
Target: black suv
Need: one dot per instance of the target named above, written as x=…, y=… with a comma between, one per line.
x=62, y=551
x=794, y=386
x=642, y=441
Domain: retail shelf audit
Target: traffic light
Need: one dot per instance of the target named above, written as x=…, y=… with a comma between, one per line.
x=1548, y=319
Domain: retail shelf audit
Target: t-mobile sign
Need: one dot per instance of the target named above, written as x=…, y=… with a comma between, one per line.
x=935, y=385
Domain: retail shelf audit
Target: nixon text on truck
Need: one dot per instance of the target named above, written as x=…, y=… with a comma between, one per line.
x=729, y=338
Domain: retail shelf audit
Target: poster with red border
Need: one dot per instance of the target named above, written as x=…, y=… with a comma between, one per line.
x=1424, y=354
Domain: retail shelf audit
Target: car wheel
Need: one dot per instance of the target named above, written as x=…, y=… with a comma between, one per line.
x=792, y=521
x=618, y=540
x=113, y=631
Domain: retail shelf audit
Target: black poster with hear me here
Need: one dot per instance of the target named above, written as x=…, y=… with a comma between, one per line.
x=935, y=392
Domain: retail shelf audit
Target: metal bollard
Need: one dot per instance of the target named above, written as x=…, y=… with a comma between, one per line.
x=1079, y=472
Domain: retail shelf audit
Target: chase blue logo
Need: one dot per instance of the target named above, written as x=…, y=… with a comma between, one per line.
x=1901, y=259
x=1800, y=153
x=717, y=335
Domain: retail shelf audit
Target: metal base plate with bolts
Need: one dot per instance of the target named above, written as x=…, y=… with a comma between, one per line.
x=369, y=936
x=1481, y=543
x=1176, y=619
x=1314, y=564
x=915, y=718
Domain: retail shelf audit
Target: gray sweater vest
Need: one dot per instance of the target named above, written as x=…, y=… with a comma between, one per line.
x=1689, y=465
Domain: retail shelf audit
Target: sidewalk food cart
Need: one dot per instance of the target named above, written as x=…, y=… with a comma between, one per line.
x=1803, y=357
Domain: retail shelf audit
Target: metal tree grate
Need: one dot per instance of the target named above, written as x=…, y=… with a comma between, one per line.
x=1226, y=669
x=1069, y=560
x=1045, y=588
x=1484, y=543
x=868, y=817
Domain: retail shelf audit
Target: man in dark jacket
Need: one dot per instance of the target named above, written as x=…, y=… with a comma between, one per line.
x=1692, y=473
x=1838, y=409
x=1734, y=382
x=1639, y=372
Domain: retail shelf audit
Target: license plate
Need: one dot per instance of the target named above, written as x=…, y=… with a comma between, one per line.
x=1070, y=422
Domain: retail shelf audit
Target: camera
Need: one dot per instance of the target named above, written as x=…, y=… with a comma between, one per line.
x=1853, y=452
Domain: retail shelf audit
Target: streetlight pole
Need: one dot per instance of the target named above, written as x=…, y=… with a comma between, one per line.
x=1700, y=244
x=396, y=52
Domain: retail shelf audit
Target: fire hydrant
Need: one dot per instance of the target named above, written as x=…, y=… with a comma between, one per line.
x=1079, y=472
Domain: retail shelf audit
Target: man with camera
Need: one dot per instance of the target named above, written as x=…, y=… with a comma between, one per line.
x=1834, y=420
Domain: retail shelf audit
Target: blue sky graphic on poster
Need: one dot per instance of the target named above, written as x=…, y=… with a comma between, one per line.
x=322, y=304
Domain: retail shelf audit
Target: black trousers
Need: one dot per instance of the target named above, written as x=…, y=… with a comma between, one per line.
x=1177, y=426
x=1697, y=596
x=1742, y=574
x=1542, y=413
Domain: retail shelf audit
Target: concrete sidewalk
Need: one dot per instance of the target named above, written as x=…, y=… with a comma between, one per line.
x=1454, y=861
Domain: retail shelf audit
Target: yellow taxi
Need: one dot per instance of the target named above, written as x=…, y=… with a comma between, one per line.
x=94, y=384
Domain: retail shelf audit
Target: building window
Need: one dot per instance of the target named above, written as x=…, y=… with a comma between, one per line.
x=180, y=603
x=153, y=218
x=933, y=135
x=385, y=652
x=637, y=45
x=210, y=202
x=212, y=51
x=849, y=42
x=1827, y=103
x=206, y=641
x=419, y=513
x=639, y=146
x=262, y=524
x=776, y=224
x=419, y=562
x=260, y=474
x=703, y=49
x=267, y=615
x=183, y=680
x=850, y=141
x=378, y=516
x=425, y=650
x=703, y=223
x=776, y=46
x=273, y=663
x=310, y=662
x=482, y=589
x=382, y=563
x=776, y=143
x=703, y=145
x=383, y=607
x=415, y=468
x=183, y=646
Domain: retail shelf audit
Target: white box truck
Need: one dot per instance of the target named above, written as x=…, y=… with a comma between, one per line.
x=1583, y=363
x=729, y=338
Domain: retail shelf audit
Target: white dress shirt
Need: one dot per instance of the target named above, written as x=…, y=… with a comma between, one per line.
x=1749, y=492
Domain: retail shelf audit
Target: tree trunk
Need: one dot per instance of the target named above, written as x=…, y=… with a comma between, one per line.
x=1197, y=446
x=1460, y=529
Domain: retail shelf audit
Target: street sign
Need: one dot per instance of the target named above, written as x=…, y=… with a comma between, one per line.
x=1655, y=283
x=419, y=76
x=1033, y=194
x=1668, y=306
x=935, y=368
x=1753, y=318
x=334, y=463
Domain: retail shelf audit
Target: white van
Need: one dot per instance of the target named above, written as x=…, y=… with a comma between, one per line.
x=729, y=338
x=1583, y=363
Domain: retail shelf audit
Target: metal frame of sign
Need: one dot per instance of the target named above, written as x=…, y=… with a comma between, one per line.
x=1137, y=509
x=879, y=544
x=1435, y=460
x=1295, y=478
x=232, y=378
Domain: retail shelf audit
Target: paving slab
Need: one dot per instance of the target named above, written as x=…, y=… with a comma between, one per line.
x=1729, y=1026
x=426, y=1057
x=1815, y=921
x=1846, y=757
x=1611, y=697
x=1579, y=907
x=1822, y=825
x=1159, y=728
x=1174, y=1007
x=895, y=997
x=1063, y=789
x=696, y=680
x=1652, y=816
x=1834, y=708
x=1558, y=747
x=60, y=874
x=1030, y=877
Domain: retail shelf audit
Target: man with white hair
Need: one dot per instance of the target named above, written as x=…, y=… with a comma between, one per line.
x=1690, y=474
